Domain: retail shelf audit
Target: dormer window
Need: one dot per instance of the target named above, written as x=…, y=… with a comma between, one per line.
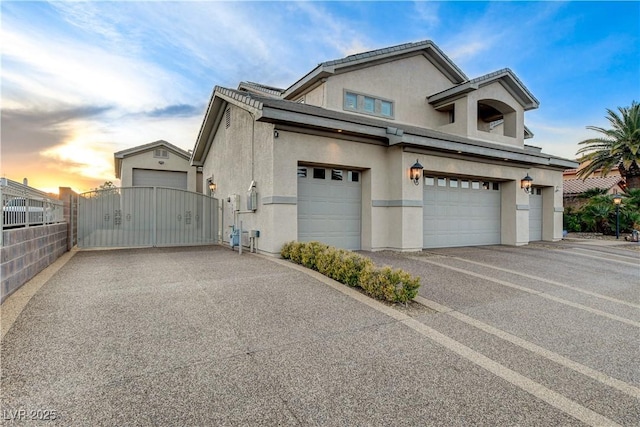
x=367, y=104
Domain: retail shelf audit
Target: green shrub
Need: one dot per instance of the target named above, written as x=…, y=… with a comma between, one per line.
x=308, y=253
x=353, y=269
x=389, y=284
x=285, y=252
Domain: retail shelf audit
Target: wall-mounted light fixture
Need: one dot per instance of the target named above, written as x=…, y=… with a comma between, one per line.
x=275, y=134
x=212, y=185
x=526, y=183
x=415, y=172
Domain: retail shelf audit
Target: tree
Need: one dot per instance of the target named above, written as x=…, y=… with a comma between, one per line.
x=618, y=147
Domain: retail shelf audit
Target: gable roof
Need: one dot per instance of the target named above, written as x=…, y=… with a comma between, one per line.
x=365, y=59
x=505, y=77
x=577, y=186
x=286, y=112
x=118, y=156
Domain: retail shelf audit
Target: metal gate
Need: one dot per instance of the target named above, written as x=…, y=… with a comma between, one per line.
x=145, y=216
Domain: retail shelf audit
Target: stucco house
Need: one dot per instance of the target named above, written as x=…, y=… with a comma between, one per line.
x=158, y=164
x=330, y=157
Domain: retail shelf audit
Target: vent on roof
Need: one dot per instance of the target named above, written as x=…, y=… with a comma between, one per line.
x=227, y=118
x=161, y=153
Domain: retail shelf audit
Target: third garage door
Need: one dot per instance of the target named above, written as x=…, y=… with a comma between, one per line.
x=460, y=212
x=535, y=215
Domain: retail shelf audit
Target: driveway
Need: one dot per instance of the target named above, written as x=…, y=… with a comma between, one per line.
x=204, y=336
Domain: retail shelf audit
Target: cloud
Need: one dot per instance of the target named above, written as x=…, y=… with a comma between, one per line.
x=178, y=110
x=29, y=131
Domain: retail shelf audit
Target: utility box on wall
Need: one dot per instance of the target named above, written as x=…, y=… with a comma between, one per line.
x=234, y=201
x=252, y=200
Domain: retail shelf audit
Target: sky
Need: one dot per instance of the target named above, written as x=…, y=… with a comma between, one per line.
x=82, y=80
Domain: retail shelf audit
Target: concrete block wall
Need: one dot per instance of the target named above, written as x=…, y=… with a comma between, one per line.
x=27, y=251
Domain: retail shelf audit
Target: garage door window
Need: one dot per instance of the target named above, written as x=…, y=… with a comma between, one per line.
x=302, y=172
x=429, y=180
x=354, y=176
x=336, y=174
x=318, y=173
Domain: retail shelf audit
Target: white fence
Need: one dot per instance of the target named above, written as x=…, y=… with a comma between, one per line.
x=24, y=206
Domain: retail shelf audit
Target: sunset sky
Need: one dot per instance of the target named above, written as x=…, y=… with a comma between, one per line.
x=81, y=81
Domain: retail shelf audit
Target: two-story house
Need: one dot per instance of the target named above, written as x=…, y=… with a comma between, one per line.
x=330, y=158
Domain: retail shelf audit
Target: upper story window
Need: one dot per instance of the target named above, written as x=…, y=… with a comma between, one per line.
x=367, y=104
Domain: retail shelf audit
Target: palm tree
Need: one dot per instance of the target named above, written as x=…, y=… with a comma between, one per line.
x=618, y=147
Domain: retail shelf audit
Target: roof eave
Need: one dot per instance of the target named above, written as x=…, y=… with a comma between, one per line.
x=309, y=80
x=441, y=143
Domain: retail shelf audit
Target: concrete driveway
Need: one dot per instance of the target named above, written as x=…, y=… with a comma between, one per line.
x=203, y=336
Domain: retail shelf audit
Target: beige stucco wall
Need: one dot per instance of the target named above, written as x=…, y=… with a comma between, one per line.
x=234, y=161
x=419, y=79
x=399, y=225
x=146, y=160
x=392, y=214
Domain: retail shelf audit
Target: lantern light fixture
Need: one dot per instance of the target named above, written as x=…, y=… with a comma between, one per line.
x=526, y=184
x=415, y=172
x=212, y=185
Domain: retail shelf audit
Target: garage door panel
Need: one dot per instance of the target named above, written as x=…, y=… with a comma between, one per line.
x=329, y=210
x=535, y=216
x=159, y=178
x=463, y=213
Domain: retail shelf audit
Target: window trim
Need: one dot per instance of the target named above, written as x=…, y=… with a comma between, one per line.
x=377, y=108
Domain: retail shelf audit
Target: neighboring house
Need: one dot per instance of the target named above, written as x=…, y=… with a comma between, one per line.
x=329, y=157
x=157, y=164
x=573, y=186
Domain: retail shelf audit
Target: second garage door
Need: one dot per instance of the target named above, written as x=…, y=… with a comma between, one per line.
x=156, y=178
x=329, y=206
x=460, y=212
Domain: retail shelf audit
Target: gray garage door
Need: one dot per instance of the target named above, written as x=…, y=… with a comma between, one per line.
x=156, y=178
x=329, y=206
x=535, y=215
x=460, y=212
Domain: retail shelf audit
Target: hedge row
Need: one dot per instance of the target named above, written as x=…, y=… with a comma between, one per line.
x=353, y=269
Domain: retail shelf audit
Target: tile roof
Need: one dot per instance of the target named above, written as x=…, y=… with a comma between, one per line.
x=577, y=186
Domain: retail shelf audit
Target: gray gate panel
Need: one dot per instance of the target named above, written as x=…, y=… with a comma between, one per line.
x=145, y=216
